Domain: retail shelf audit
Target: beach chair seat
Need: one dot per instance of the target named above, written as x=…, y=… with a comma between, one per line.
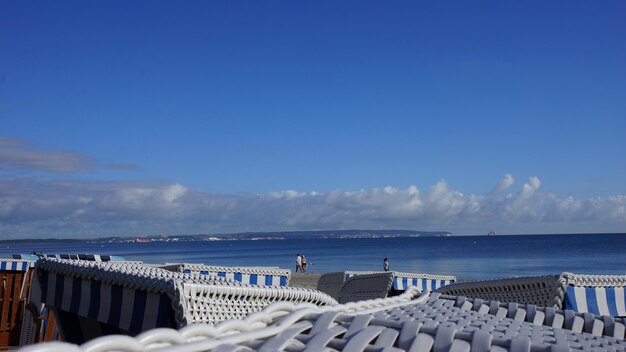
x=94, y=298
x=596, y=294
x=251, y=275
x=392, y=325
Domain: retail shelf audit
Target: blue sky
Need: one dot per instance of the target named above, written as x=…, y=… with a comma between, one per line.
x=164, y=117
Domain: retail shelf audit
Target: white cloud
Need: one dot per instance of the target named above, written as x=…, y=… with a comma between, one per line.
x=17, y=155
x=507, y=182
x=61, y=208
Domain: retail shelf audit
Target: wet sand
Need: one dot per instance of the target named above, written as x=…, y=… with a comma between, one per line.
x=305, y=280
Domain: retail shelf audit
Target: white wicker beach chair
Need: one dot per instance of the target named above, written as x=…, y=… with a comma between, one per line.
x=597, y=294
x=331, y=283
x=263, y=276
x=599, y=325
x=393, y=326
x=91, y=299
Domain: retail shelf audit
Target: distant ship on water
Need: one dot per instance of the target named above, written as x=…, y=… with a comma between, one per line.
x=491, y=233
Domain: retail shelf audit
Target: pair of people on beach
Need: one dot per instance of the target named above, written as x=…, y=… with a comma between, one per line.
x=301, y=263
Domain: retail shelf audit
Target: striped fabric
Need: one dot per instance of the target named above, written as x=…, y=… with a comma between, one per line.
x=597, y=300
x=89, y=257
x=401, y=283
x=131, y=310
x=15, y=265
x=249, y=279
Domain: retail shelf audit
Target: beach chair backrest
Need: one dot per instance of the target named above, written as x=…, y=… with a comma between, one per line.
x=365, y=287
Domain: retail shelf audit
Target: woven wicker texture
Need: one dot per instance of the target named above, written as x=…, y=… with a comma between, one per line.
x=398, y=325
x=543, y=291
x=563, y=319
x=594, y=280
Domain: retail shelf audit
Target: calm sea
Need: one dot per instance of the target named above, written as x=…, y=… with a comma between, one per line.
x=467, y=257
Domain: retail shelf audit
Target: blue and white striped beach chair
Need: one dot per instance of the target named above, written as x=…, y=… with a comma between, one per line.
x=92, y=299
x=331, y=283
x=263, y=276
x=15, y=264
x=596, y=294
x=424, y=282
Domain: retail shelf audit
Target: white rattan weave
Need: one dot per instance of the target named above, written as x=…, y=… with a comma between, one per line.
x=600, y=325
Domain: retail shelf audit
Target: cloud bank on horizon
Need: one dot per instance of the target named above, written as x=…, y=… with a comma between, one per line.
x=32, y=208
x=43, y=207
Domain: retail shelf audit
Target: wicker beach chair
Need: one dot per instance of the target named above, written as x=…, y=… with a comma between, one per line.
x=331, y=283
x=392, y=325
x=597, y=294
x=91, y=299
x=599, y=325
x=251, y=275
x=15, y=283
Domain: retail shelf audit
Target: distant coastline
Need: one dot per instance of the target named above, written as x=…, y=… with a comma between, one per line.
x=280, y=235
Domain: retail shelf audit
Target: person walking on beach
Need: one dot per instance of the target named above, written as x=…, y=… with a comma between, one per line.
x=298, y=262
x=303, y=264
x=386, y=264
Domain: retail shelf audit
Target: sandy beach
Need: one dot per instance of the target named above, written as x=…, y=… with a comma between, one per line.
x=305, y=280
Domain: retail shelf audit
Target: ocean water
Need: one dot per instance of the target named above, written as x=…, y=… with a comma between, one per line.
x=467, y=257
